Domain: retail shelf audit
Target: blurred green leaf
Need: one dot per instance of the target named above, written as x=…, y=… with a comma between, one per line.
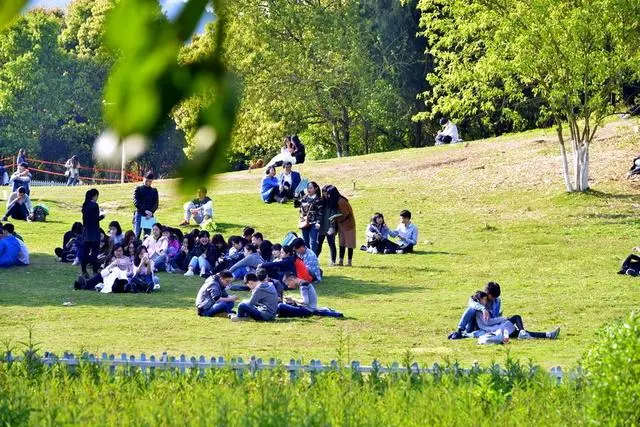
x=9, y=9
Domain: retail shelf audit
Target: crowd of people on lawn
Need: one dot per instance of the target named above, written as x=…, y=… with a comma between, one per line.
x=129, y=262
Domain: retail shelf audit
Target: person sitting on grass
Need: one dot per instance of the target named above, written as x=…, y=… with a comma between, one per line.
x=377, y=235
x=263, y=277
x=115, y=233
x=248, y=264
x=269, y=185
x=288, y=262
x=203, y=256
x=288, y=182
x=173, y=248
x=180, y=261
x=70, y=241
x=493, y=308
x=247, y=235
x=287, y=153
x=23, y=255
x=309, y=258
x=448, y=134
x=18, y=205
x=212, y=299
x=631, y=265
x=235, y=254
x=9, y=249
x=303, y=307
x=113, y=278
x=263, y=304
x=157, y=244
x=200, y=208
x=144, y=280
x=513, y=325
x=406, y=232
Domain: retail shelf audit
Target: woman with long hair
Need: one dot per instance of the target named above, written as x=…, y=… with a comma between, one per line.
x=311, y=216
x=327, y=228
x=346, y=223
x=73, y=171
x=91, y=217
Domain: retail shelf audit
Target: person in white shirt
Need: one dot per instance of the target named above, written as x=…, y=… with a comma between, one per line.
x=407, y=234
x=449, y=133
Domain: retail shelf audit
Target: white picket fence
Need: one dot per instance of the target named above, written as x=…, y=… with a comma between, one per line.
x=294, y=367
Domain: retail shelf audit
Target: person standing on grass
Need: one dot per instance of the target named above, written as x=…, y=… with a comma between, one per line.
x=18, y=206
x=145, y=200
x=263, y=304
x=200, y=208
x=406, y=232
x=91, y=217
x=73, y=171
x=327, y=228
x=303, y=307
x=311, y=215
x=212, y=299
x=346, y=223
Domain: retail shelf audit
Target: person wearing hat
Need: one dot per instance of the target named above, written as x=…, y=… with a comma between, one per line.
x=449, y=133
x=21, y=178
x=145, y=200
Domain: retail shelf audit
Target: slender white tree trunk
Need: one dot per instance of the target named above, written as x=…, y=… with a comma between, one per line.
x=565, y=161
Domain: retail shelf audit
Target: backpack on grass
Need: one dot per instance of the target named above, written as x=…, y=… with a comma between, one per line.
x=40, y=213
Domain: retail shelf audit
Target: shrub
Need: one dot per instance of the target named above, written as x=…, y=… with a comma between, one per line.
x=613, y=373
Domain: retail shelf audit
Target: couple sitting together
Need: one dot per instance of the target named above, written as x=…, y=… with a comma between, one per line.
x=265, y=302
x=483, y=316
x=378, y=234
x=282, y=188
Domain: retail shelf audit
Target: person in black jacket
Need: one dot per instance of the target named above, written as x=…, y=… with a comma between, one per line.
x=91, y=218
x=145, y=200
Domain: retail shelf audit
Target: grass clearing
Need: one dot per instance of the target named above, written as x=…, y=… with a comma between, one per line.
x=492, y=210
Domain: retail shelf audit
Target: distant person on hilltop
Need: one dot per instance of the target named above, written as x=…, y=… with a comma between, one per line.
x=288, y=182
x=145, y=200
x=22, y=156
x=287, y=154
x=18, y=205
x=200, y=208
x=299, y=150
x=22, y=178
x=449, y=133
x=73, y=171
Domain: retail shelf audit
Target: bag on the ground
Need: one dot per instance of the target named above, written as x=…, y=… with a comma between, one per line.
x=289, y=238
x=40, y=213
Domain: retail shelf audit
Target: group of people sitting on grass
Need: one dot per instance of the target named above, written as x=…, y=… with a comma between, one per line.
x=378, y=234
x=266, y=301
x=13, y=250
x=483, y=319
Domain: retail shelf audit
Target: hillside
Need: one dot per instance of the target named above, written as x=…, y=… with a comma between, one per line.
x=486, y=210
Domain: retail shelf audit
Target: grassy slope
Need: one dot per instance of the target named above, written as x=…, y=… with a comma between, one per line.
x=495, y=210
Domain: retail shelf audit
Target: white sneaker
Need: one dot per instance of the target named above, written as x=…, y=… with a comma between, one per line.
x=524, y=335
x=553, y=334
x=374, y=250
x=76, y=261
x=189, y=273
x=236, y=318
x=99, y=287
x=156, y=286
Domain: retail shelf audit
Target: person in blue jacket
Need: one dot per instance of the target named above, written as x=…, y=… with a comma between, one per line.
x=269, y=185
x=9, y=249
x=288, y=181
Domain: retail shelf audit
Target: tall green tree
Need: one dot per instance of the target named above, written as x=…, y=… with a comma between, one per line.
x=574, y=56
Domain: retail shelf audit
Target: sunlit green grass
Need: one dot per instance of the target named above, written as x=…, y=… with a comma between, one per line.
x=490, y=211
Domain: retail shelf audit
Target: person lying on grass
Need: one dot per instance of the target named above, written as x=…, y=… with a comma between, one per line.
x=212, y=299
x=263, y=304
x=631, y=265
x=513, y=325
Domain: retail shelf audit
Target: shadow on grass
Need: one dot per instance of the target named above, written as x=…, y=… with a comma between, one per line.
x=610, y=196
x=49, y=283
x=613, y=219
x=348, y=287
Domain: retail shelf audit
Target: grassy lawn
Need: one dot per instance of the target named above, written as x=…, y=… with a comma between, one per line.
x=493, y=210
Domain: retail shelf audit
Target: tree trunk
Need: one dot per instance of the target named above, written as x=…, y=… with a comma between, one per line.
x=336, y=139
x=366, y=129
x=346, y=133
x=417, y=134
x=565, y=162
